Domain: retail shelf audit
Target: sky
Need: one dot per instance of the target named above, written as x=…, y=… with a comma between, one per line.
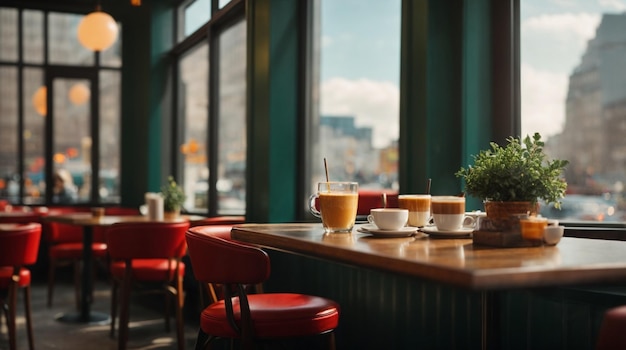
x=361, y=64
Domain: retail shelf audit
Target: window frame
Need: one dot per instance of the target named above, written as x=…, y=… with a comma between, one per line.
x=50, y=72
x=221, y=19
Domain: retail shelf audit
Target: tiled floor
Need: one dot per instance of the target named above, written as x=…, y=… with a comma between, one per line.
x=147, y=329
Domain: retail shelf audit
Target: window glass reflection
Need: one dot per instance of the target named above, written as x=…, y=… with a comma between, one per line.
x=66, y=48
x=9, y=181
x=194, y=100
x=33, y=36
x=196, y=14
x=231, y=184
x=8, y=34
x=356, y=118
x=34, y=136
x=110, y=126
x=573, y=87
x=72, y=142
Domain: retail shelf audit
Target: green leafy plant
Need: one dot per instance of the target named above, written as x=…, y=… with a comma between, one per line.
x=520, y=171
x=173, y=195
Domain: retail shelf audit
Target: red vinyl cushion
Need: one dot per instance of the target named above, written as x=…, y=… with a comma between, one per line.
x=275, y=315
x=370, y=199
x=148, y=269
x=75, y=250
x=612, y=333
x=5, y=276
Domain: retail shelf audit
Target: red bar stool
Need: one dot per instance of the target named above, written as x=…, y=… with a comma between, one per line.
x=612, y=333
x=251, y=318
x=19, y=244
x=147, y=252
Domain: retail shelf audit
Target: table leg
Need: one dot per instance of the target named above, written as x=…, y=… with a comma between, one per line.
x=86, y=315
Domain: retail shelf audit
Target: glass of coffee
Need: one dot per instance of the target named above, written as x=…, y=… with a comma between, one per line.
x=336, y=204
x=418, y=206
x=449, y=213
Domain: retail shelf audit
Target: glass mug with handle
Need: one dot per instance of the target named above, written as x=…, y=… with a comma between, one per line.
x=336, y=204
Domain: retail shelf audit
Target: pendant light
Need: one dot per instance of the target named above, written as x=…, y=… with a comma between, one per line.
x=97, y=31
x=79, y=93
x=39, y=101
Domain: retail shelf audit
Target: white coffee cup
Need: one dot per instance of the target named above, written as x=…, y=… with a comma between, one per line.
x=388, y=218
x=449, y=213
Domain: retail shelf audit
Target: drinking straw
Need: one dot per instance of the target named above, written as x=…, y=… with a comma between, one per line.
x=326, y=169
x=384, y=200
x=428, y=186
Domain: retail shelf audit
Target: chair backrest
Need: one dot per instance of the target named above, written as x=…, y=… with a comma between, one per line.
x=19, y=244
x=147, y=240
x=20, y=218
x=216, y=258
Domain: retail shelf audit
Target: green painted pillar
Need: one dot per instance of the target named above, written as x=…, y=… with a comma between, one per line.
x=273, y=112
x=145, y=121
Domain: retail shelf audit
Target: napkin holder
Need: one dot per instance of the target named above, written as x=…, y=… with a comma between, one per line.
x=154, y=203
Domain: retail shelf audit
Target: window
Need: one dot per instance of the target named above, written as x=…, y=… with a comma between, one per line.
x=212, y=100
x=356, y=97
x=573, y=87
x=67, y=73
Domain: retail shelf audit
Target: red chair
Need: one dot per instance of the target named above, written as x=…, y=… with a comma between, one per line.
x=19, y=245
x=251, y=318
x=147, y=252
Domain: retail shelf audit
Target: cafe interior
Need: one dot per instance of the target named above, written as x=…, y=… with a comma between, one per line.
x=227, y=99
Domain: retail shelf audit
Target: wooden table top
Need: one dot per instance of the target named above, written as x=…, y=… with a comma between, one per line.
x=574, y=261
x=86, y=219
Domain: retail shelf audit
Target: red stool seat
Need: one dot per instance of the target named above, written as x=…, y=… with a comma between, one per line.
x=304, y=314
x=613, y=330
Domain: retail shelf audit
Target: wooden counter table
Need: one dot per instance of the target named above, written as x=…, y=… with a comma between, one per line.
x=478, y=270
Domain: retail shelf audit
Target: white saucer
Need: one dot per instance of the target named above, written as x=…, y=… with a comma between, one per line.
x=434, y=231
x=403, y=232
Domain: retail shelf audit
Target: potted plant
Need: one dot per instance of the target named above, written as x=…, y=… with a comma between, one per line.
x=516, y=175
x=173, y=198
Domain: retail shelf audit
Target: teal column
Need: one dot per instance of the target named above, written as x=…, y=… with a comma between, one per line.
x=145, y=132
x=413, y=93
x=272, y=111
x=477, y=111
x=444, y=95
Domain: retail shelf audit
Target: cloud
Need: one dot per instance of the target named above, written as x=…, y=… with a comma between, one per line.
x=543, y=101
x=613, y=4
x=557, y=41
x=579, y=26
x=373, y=104
x=552, y=47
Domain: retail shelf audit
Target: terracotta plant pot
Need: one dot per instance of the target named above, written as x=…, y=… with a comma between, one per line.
x=504, y=210
x=171, y=214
